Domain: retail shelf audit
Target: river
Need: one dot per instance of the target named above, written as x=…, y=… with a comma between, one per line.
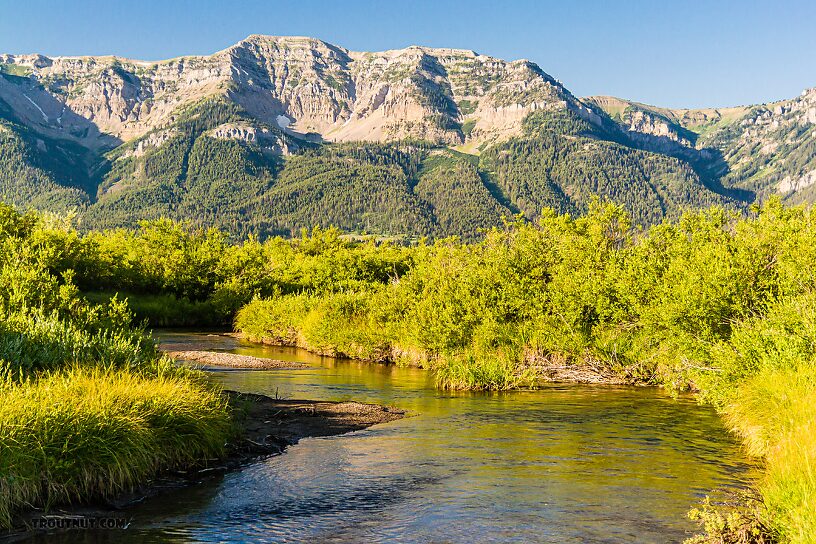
x=565, y=464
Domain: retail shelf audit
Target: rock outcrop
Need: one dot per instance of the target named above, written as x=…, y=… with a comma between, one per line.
x=316, y=87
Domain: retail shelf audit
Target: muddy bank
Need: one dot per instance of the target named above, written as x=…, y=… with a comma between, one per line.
x=231, y=360
x=264, y=427
x=269, y=423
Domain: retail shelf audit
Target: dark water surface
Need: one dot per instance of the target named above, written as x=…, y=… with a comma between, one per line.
x=566, y=464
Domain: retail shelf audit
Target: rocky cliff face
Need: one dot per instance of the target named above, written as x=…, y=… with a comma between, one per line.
x=644, y=123
x=772, y=148
x=301, y=85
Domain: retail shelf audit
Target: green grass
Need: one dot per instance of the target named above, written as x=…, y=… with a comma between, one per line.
x=83, y=434
x=496, y=372
x=775, y=414
x=766, y=389
x=15, y=70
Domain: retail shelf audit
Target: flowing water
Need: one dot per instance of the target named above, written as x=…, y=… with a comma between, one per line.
x=566, y=464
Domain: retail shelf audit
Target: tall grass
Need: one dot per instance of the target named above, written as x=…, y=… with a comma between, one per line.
x=87, y=433
x=766, y=388
x=37, y=342
x=775, y=414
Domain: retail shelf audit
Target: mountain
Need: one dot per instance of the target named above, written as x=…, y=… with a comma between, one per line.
x=754, y=151
x=275, y=134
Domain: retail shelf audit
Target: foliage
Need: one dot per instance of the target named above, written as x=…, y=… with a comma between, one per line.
x=713, y=301
x=40, y=172
x=552, y=171
x=733, y=524
x=184, y=172
x=88, y=408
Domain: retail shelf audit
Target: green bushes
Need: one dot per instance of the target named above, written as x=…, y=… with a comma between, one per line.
x=645, y=305
x=173, y=275
x=44, y=342
x=714, y=302
x=166, y=310
x=88, y=408
x=160, y=257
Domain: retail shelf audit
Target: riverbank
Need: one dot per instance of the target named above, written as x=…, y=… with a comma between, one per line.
x=538, y=368
x=264, y=426
x=231, y=360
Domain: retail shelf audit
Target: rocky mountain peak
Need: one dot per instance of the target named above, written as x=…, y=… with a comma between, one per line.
x=304, y=85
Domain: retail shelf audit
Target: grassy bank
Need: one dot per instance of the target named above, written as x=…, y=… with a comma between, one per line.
x=87, y=433
x=88, y=407
x=766, y=389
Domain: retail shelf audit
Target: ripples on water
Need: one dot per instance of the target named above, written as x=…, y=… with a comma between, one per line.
x=567, y=464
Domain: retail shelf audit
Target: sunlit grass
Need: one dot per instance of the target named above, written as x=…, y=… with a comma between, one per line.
x=496, y=372
x=775, y=414
x=86, y=433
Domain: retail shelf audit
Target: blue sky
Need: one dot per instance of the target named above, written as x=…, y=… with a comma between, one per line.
x=679, y=54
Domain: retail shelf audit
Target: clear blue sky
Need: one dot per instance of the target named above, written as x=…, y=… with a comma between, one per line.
x=679, y=53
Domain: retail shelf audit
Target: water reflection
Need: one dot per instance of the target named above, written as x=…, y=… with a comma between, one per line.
x=565, y=464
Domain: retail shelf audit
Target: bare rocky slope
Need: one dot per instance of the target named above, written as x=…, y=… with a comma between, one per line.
x=303, y=85
x=278, y=133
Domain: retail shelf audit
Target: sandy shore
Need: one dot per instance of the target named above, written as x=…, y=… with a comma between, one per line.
x=231, y=360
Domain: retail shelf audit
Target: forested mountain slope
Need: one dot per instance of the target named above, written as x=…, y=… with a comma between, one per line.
x=275, y=134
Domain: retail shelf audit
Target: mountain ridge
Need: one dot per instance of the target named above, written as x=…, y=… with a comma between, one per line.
x=123, y=140
x=343, y=97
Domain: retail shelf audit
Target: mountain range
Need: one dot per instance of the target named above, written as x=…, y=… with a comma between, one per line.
x=276, y=134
